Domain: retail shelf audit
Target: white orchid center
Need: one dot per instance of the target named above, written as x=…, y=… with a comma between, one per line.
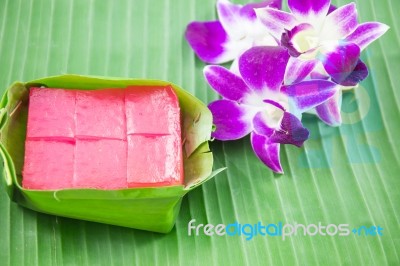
x=260, y=36
x=272, y=107
x=306, y=40
x=251, y=34
x=273, y=116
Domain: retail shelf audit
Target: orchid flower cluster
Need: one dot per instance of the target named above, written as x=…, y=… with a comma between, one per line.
x=283, y=65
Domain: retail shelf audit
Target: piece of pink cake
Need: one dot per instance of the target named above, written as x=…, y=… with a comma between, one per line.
x=152, y=110
x=101, y=114
x=154, y=136
x=51, y=113
x=100, y=164
x=48, y=164
x=154, y=161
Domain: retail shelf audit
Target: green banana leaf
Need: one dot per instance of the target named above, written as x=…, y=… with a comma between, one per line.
x=345, y=175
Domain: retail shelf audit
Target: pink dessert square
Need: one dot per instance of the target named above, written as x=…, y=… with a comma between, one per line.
x=154, y=161
x=101, y=114
x=152, y=110
x=48, y=164
x=100, y=164
x=51, y=113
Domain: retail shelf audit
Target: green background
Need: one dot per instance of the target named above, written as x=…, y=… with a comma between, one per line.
x=345, y=175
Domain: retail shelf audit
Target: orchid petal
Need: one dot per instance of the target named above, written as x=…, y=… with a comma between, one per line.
x=248, y=9
x=291, y=131
x=267, y=152
x=318, y=75
x=329, y=111
x=331, y=8
x=359, y=73
x=366, y=33
x=298, y=69
x=263, y=67
x=232, y=121
x=275, y=20
x=309, y=10
x=341, y=61
x=208, y=40
x=227, y=84
x=309, y=94
x=229, y=16
x=340, y=23
x=235, y=67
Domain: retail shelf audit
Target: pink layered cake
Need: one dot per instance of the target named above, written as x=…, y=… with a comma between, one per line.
x=103, y=139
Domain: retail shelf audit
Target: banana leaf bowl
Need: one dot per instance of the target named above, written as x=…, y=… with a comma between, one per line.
x=152, y=208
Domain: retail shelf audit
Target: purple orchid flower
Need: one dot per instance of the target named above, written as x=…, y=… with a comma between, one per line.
x=237, y=30
x=315, y=32
x=256, y=102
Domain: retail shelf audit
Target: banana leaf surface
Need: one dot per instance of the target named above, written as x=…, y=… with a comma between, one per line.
x=346, y=175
